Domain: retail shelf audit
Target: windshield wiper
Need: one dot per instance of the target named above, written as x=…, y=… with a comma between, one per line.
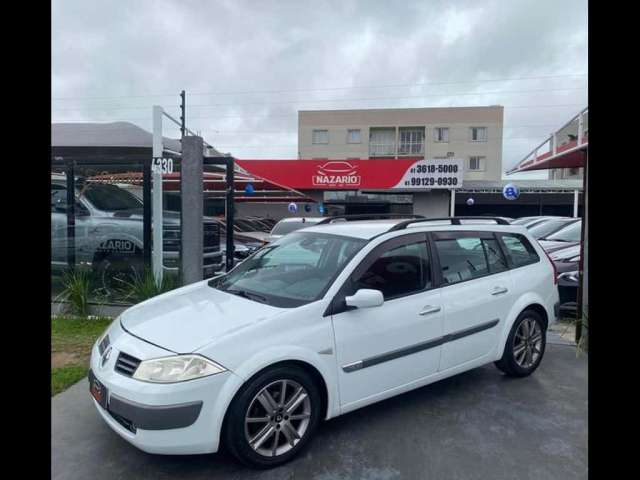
x=247, y=295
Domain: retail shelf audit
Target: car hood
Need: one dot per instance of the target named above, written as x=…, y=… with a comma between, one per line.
x=190, y=317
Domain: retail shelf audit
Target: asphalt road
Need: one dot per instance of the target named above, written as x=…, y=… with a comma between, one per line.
x=477, y=425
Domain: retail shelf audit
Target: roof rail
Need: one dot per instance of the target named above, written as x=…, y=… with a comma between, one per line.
x=453, y=220
x=370, y=216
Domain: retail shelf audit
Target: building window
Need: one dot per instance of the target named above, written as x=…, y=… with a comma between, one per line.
x=478, y=134
x=320, y=137
x=411, y=141
x=382, y=142
x=441, y=135
x=354, y=136
x=476, y=164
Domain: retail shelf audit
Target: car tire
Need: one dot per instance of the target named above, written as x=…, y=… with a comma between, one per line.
x=113, y=271
x=264, y=439
x=525, y=345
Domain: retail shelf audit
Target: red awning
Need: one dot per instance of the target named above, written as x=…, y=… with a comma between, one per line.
x=569, y=154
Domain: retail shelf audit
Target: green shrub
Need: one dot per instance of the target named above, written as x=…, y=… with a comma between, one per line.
x=144, y=286
x=76, y=291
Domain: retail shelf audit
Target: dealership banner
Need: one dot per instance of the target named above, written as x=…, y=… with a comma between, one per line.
x=384, y=174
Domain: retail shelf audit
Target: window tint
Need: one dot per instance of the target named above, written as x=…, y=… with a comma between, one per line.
x=398, y=271
x=519, y=250
x=497, y=262
x=461, y=259
x=111, y=198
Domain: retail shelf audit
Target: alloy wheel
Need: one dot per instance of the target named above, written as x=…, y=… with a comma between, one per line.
x=277, y=418
x=527, y=343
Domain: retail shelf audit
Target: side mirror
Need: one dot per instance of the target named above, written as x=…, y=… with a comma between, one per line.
x=365, y=298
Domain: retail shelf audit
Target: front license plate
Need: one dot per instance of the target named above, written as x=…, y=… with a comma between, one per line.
x=98, y=390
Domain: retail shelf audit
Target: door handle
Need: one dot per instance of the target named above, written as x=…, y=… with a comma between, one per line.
x=499, y=290
x=426, y=310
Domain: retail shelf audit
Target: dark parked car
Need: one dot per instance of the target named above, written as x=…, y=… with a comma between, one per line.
x=567, y=262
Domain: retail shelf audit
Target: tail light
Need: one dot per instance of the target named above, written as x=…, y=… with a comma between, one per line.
x=555, y=270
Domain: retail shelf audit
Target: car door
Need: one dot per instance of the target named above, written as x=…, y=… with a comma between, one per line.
x=385, y=347
x=476, y=294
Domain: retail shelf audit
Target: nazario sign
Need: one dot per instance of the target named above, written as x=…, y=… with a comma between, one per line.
x=401, y=173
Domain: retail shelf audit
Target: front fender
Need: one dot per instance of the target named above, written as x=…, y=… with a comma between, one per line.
x=526, y=299
x=265, y=358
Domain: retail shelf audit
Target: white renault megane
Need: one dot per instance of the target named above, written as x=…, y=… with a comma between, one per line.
x=321, y=322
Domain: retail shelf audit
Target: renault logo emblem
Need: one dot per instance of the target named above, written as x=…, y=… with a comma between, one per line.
x=105, y=357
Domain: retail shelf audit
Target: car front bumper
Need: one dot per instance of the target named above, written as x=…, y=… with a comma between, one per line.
x=177, y=418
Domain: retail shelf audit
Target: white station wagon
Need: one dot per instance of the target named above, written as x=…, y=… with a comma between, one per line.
x=317, y=324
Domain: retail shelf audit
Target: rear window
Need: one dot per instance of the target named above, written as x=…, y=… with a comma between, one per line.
x=461, y=259
x=519, y=250
x=467, y=255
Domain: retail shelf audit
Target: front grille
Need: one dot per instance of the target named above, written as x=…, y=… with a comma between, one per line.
x=171, y=238
x=126, y=364
x=210, y=242
x=126, y=423
x=103, y=344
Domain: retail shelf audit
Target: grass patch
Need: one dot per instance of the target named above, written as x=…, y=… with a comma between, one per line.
x=71, y=342
x=63, y=377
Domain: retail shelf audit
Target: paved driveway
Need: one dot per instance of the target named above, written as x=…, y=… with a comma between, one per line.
x=478, y=425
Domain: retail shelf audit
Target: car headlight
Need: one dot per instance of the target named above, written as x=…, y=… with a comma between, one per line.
x=176, y=369
x=572, y=276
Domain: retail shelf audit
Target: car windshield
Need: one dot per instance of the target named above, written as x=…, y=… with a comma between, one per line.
x=570, y=233
x=293, y=271
x=110, y=198
x=282, y=228
x=548, y=227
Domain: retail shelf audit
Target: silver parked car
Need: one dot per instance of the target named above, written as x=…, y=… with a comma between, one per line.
x=109, y=233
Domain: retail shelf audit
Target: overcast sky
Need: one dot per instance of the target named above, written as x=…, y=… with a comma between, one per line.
x=249, y=66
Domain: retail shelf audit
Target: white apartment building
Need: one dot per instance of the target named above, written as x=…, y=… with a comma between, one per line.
x=473, y=134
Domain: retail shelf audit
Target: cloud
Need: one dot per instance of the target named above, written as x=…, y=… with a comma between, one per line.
x=129, y=51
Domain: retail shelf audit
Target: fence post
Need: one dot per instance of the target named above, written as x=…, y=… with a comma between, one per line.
x=157, y=213
x=191, y=229
x=230, y=213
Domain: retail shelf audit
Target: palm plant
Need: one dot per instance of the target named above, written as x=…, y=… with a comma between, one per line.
x=143, y=286
x=76, y=291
